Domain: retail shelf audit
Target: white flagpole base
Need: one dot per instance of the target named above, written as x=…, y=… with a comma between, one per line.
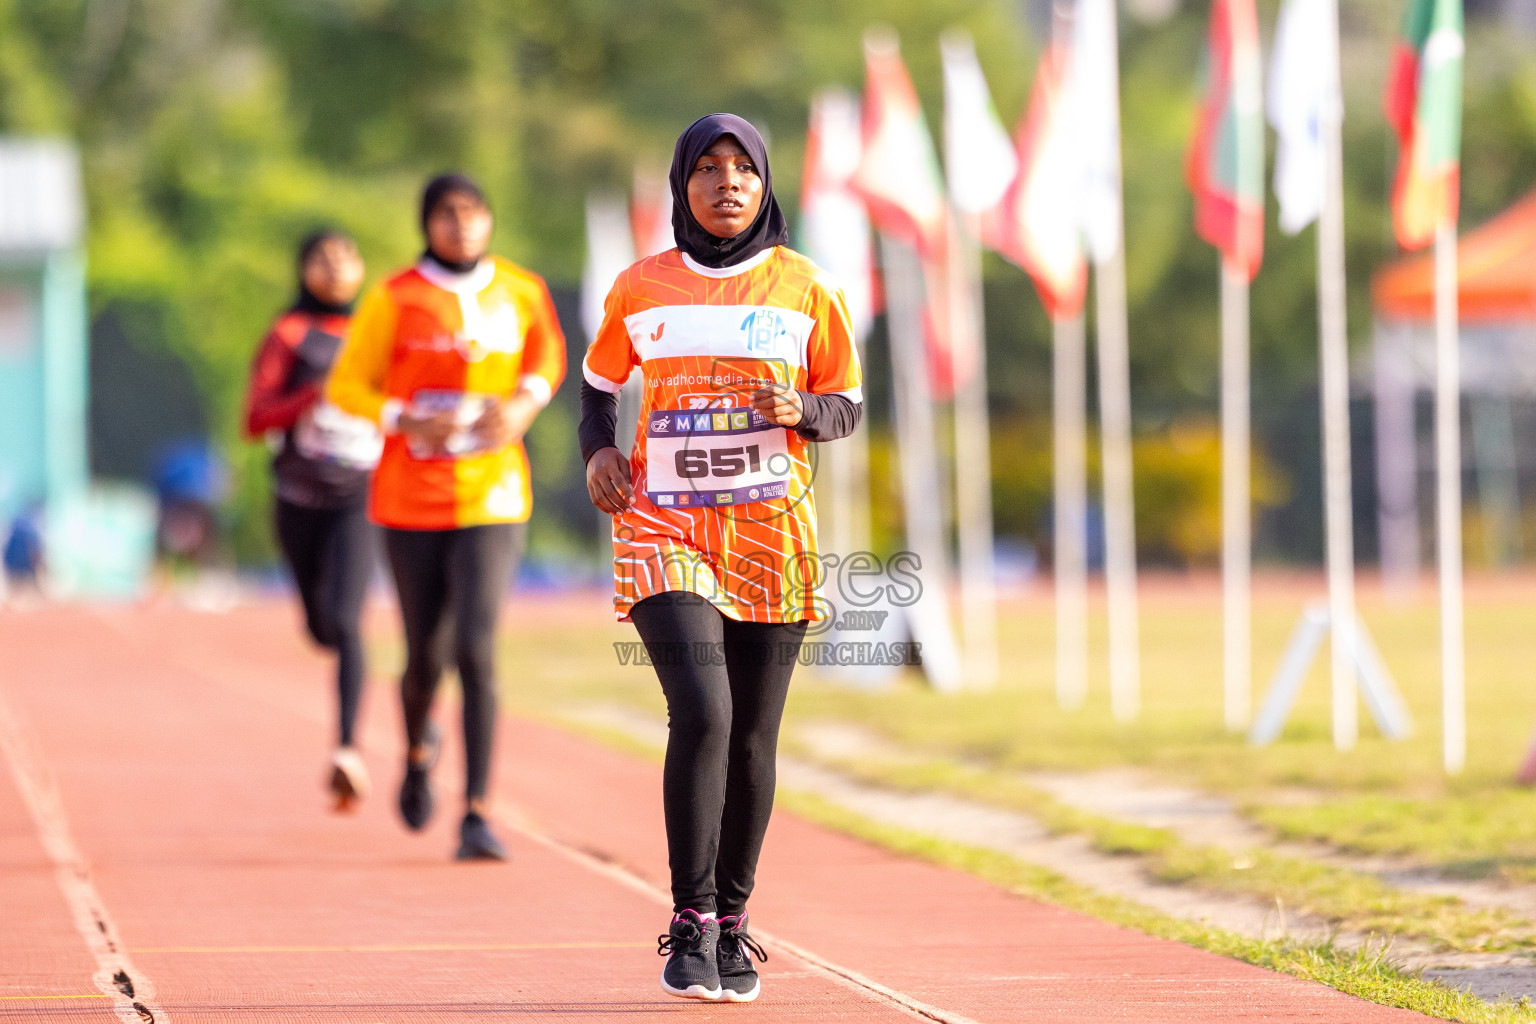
x=1368, y=677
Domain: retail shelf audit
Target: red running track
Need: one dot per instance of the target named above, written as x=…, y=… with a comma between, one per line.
x=160, y=816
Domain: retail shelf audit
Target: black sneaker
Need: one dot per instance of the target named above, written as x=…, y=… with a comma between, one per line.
x=416, y=787
x=689, y=947
x=476, y=841
x=738, y=978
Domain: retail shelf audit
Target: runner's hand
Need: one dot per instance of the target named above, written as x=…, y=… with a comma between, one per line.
x=431, y=431
x=780, y=404
x=505, y=421
x=608, y=481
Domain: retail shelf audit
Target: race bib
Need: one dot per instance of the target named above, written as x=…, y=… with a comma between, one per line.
x=715, y=457
x=326, y=434
x=466, y=408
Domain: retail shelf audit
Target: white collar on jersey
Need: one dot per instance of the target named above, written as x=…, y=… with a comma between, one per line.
x=730, y=271
x=472, y=281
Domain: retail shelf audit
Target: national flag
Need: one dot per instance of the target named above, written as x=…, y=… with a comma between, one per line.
x=1303, y=95
x=898, y=173
x=979, y=160
x=1225, y=162
x=650, y=214
x=834, y=227
x=610, y=251
x=898, y=177
x=1095, y=70
x=1423, y=104
x=1039, y=226
x=980, y=165
x=948, y=366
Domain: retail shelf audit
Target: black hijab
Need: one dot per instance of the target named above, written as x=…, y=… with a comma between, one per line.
x=307, y=301
x=768, y=230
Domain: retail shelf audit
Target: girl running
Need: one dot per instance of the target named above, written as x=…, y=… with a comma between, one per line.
x=747, y=354
x=454, y=358
x=320, y=477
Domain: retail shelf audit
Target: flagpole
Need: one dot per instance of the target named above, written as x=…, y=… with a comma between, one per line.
x=1236, y=526
x=920, y=480
x=1069, y=436
x=1333, y=357
x=973, y=459
x=844, y=472
x=1448, y=511
x=1119, y=500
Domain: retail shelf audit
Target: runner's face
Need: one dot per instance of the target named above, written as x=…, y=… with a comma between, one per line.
x=334, y=272
x=459, y=228
x=724, y=191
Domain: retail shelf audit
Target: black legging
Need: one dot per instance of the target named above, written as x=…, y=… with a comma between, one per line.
x=331, y=553
x=470, y=570
x=725, y=683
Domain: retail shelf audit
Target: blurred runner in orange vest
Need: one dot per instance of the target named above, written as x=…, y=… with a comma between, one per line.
x=454, y=358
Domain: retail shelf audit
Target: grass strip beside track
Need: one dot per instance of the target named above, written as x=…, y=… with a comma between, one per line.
x=1351, y=900
x=1486, y=834
x=1369, y=975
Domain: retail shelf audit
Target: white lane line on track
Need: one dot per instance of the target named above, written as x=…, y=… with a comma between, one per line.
x=73, y=872
x=844, y=976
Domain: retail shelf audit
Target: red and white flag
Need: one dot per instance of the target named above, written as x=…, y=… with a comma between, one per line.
x=834, y=227
x=899, y=172
x=899, y=179
x=1040, y=225
x=650, y=214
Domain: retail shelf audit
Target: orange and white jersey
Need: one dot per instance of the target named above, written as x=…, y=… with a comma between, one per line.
x=723, y=504
x=433, y=341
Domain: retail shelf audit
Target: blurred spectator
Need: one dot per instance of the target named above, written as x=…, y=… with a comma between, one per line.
x=190, y=480
x=23, y=555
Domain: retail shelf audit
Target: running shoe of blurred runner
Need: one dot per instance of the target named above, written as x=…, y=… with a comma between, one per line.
x=416, y=787
x=453, y=357
x=477, y=842
x=747, y=354
x=320, y=466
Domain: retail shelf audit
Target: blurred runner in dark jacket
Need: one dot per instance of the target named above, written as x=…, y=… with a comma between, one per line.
x=320, y=469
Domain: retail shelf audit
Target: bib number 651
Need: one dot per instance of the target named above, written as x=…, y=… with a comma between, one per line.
x=693, y=463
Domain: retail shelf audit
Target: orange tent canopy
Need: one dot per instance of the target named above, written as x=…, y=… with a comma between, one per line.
x=1495, y=273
